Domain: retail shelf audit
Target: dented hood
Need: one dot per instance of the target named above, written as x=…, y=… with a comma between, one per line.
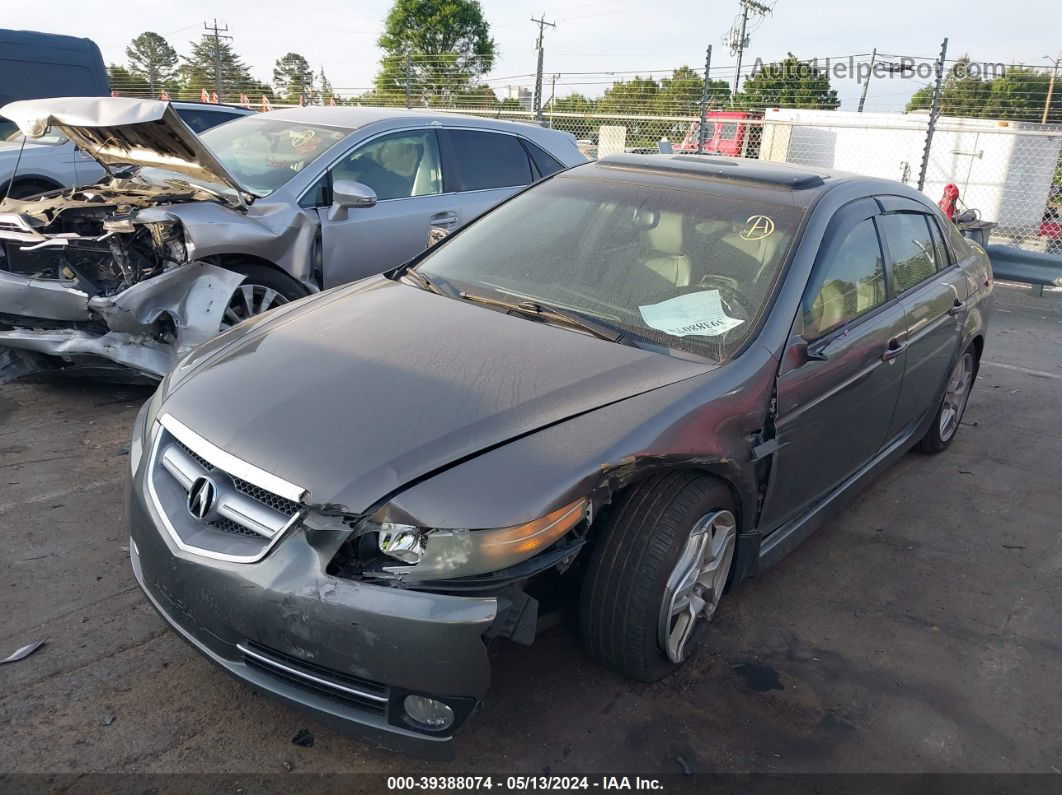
x=356, y=394
x=120, y=130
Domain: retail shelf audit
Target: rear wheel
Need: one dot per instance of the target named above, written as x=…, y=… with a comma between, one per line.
x=264, y=288
x=657, y=574
x=952, y=404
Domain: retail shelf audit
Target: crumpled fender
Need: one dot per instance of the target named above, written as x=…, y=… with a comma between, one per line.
x=194, y=296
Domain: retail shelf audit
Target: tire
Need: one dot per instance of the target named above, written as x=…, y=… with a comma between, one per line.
x=27, y=188
x=630, y=585
x=264, y=288
x=953, y=402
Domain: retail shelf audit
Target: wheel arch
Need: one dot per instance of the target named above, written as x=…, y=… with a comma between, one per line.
x=232, y=261
x=49, y=182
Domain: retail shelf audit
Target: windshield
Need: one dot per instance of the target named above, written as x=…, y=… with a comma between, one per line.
x=50, y=138
x=263, y=154
x=668, y=268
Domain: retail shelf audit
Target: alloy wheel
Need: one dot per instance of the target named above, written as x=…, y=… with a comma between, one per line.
x=955, y=396
x=250, y=300
x=696, y=584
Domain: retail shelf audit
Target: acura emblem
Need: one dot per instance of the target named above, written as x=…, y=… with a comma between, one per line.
x=201, y=497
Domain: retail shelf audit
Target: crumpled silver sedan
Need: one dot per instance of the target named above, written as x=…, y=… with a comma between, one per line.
x=188, y=235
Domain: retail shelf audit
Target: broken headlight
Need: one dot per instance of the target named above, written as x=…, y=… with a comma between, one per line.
x=430, y=553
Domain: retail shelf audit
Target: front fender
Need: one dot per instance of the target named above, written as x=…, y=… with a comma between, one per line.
x=706, y=422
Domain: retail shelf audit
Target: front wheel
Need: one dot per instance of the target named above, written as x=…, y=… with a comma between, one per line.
x=657, y=573
x=952, y=404
x=264, y=288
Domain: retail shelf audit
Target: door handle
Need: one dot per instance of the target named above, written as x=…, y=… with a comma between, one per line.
x=444, y=219
x=894, y=349
x=957, y=307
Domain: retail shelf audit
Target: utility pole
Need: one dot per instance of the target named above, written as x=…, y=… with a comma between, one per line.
x=866, y=85
x=738, y=38
x=934, y=110
x=216, y=32
x=702, y=132
x=409, y=81
x=537, y=100
x=1050, y=86
x=552, y=97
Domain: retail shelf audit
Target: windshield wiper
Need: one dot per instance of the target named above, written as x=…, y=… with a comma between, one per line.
x=556, y=314
x=422, y=281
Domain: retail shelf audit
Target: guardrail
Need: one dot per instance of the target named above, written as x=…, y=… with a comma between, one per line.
x=1030, y=267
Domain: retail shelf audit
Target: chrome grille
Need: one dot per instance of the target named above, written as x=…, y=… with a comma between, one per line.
x=268, y=498
x=363, y=693
x=239, y=520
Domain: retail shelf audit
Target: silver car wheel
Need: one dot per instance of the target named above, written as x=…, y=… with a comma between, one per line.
x=955, y=396
x=696, y=584
x=250, y=300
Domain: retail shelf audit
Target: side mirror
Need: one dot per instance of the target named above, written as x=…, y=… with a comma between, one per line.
x=348, y=194
x=798, y=352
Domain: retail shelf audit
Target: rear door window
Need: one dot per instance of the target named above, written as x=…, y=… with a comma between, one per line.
x=912, y=254
x=486, y=160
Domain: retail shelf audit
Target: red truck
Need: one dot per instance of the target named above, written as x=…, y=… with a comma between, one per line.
x=729, y=132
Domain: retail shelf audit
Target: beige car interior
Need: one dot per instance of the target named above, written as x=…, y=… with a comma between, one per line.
x=665, y=252
x=666, y=249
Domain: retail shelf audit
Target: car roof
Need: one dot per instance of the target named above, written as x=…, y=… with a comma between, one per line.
x=790, y=183
x=353, y=117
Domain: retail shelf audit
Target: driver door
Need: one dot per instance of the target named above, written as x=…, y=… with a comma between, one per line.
x=835, y=404
x=404, y=169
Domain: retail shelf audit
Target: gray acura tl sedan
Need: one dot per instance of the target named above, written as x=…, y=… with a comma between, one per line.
x=621, y=392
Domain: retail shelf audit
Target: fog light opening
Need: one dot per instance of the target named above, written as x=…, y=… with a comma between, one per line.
x=429, y=713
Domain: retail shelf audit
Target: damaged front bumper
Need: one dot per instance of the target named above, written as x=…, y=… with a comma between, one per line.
x=349, y=653
x=148, y=327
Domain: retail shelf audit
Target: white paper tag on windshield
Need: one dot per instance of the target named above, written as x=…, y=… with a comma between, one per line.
x=697, y=313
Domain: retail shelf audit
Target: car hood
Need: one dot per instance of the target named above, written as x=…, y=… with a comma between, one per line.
x=356, y=394
x=120, y=130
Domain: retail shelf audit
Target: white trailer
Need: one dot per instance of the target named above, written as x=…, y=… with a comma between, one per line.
x=1005, y=169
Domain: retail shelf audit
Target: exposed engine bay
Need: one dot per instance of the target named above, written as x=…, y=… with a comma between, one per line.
x=104, y=272
x=93, y=236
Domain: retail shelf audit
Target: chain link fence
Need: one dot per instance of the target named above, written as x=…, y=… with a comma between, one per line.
x=1009, y=172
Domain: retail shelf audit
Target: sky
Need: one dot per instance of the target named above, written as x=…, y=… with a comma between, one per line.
x=594, y=43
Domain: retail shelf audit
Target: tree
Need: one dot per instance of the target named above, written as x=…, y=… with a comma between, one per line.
x=325, y=90
x=444, y=44
x=126, y=84
x=293, y=79
x=197, y=71
x=1018, y=95
x=961, y=94
x=583, y=128
x=680, y=94
x=789, y=83
x=637, y=96
x=152, y=59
